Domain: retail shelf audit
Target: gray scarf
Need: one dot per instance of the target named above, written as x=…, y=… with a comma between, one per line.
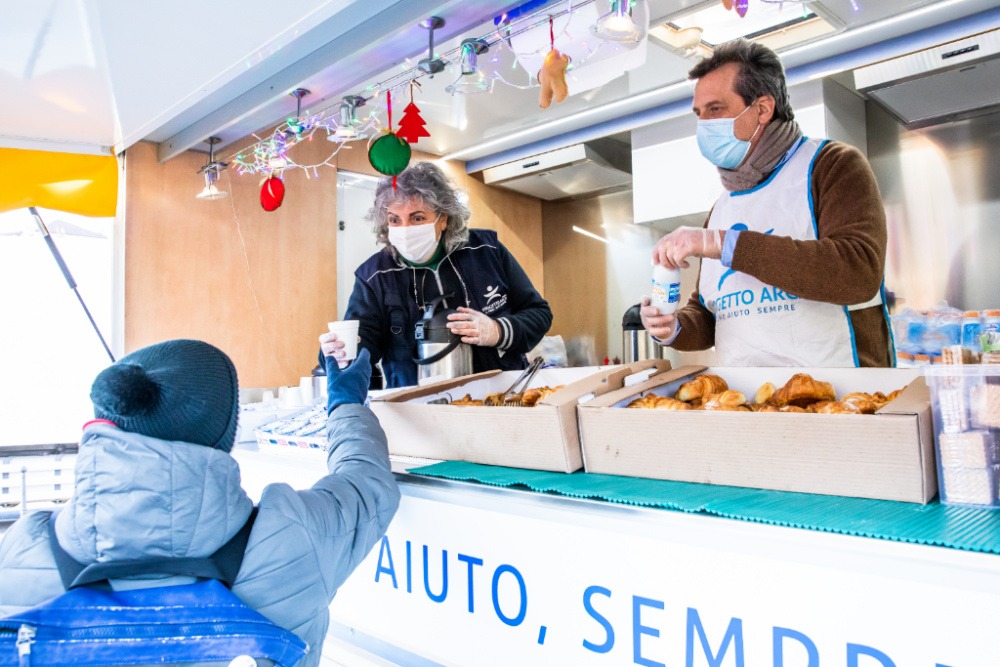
x=779, y=136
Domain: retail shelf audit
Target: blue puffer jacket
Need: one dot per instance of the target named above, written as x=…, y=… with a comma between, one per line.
x=137, y=496
x=389, y=298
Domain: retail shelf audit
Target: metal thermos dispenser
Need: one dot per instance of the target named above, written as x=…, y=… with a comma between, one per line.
x=440, y=353
x=637, y=344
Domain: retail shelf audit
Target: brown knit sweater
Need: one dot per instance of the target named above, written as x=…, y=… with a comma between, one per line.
x=844, y=266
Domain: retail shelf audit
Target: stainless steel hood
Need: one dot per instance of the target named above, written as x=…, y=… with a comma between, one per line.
x=956, y=80
x=574, y=172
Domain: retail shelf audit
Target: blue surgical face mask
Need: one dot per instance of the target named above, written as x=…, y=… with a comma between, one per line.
x=718, y=143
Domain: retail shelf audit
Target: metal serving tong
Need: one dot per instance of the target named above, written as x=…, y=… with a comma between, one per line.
x=512, y=397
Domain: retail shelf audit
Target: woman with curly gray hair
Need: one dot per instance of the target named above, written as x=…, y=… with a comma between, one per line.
x=431, y=252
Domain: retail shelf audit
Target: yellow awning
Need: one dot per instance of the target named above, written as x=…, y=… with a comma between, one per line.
x=81, y=184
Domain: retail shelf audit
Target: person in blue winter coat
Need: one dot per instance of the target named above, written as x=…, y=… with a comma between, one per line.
x=430, y=252
x=155, y=479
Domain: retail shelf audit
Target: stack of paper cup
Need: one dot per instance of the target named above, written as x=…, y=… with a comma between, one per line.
x=306, y=387
x=347, y=331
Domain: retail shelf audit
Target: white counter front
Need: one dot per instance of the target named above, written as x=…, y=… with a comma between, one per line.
x=473, y=575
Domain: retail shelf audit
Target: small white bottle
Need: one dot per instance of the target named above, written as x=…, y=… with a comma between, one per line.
x=665, y=293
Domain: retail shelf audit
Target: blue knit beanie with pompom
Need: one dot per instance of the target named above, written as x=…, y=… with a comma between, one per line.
x=182, y=390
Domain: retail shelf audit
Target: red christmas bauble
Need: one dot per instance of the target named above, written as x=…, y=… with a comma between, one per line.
x=272, y=193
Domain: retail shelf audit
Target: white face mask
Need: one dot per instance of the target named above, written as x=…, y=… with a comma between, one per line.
x=416, y=243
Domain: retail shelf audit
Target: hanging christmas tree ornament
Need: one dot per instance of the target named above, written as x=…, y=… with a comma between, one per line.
x=389, y=154
x=741, y=7
x=411, y=125
x=728, y=4
x=272, y=193
x=552, y=75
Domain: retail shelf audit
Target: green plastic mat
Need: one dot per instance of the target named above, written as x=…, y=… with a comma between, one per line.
x=935, y=524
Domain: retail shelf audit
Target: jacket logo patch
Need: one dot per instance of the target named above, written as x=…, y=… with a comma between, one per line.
x=492, y=293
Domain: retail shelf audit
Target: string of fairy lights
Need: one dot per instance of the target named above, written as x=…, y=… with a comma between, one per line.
x=360, y=117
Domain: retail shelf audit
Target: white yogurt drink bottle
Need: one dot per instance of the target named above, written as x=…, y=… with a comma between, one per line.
x=665, y=293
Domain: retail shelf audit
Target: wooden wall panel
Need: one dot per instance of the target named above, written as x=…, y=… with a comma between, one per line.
x=259, y=285
x=576, y=271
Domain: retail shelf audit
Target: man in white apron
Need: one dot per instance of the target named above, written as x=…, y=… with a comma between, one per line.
x=793, y=252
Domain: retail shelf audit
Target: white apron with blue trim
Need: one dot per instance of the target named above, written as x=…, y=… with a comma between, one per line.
x=758, y=324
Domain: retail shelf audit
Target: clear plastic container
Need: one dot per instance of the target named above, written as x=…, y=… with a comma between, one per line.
x=965, y=402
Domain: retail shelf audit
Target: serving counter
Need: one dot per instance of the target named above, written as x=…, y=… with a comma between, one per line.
x=476, y=575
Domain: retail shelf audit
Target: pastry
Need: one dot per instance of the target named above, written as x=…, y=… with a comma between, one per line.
x=802, y=390
x=667, y=403
x=726, y=400
x=642, y=401
x=865, y=403
x=531, y=397
x=467, y=400
x=703, y=385
x=765, y=392
x=834, y=408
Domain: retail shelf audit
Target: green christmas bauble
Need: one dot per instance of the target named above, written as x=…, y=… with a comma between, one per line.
x=389, y=154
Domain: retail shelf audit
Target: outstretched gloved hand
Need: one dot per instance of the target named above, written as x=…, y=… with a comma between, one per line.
x=674, y=248
x=474, y=327
x=349, y=385
x=659, y=326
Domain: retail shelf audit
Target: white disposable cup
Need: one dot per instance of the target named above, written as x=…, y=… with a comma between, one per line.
x=306, y=387
x=347, y=331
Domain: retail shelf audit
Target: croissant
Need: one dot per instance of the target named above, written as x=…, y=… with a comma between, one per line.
x=894, y=395
x=531, y=397
x=802, y=390
x=667, y=403
x=647, y=401
x=703, y=385
x=834, y=408
x=765, y=392
x=768, y=407
x=467, y=400
x=865, y=403
x=729, y=399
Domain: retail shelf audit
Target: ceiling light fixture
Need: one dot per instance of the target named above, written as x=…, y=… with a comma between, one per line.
x=431, y=65
x=617, y=25
x=470, y=79
x=348, y=126
x=297, y=126
x=212, y=171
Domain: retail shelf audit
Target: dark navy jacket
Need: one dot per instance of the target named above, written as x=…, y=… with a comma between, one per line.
x=389, y=298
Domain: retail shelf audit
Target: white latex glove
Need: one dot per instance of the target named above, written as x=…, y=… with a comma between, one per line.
x=333, y=347
x=474, y=327
x=660, y=326
x=674, y=248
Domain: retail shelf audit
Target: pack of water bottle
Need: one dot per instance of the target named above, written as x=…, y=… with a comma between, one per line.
x=922, y=335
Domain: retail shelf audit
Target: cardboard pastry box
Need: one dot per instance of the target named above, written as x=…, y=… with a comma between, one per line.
x=543, y=437
x=888, y=455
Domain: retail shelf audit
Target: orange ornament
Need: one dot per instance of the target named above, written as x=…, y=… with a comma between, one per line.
x=552, y=79
x=728, y=4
